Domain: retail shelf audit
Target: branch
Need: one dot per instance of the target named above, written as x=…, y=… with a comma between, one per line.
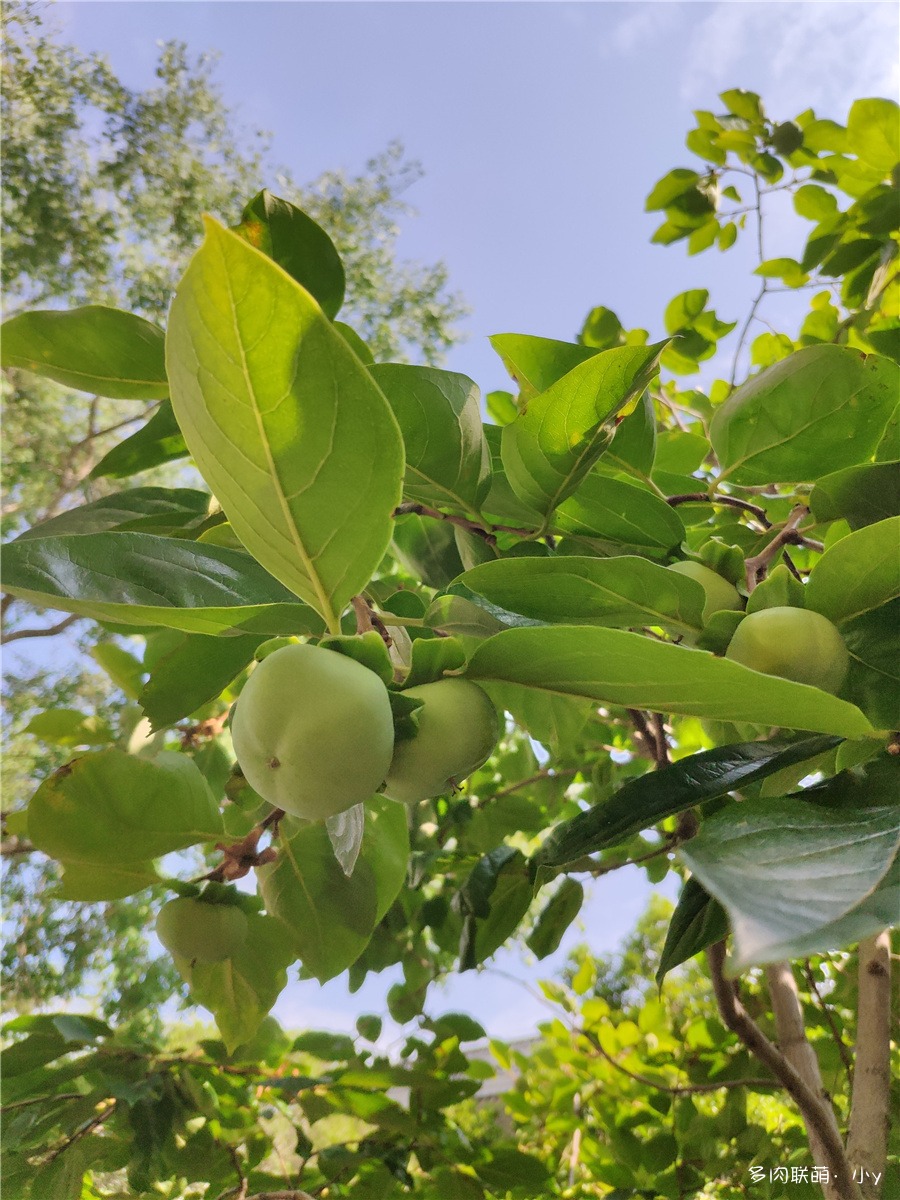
x=367, y=620
x=757, y=566
x=842, y=1048
x=728, y=501
x=109, y=1107
x=51, y=630
x=794, y=1045
x=12, y=845
x=815, y=1113
x=486, y=534
x=870, y=1103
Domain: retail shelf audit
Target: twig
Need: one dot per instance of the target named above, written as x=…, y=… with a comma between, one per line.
x=51, y=630
x=728, y=501
x=870, y=1103
x=367, y=620
x=644, y=739
x=587, y=866
x=12, y=845
x=757, y=566
x=760, y=296
x=795, y=1046
x=544, y=773
x=82, y=1131
x=40, y=1100
x=815, y=1113
x=825, y=1008
x=485, y=533
x=658, y=727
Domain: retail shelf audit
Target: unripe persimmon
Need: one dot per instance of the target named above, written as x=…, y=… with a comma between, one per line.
x=457, y=730
x=313, y=731
x=793, y=643
x=195, y=929
x=719, y=592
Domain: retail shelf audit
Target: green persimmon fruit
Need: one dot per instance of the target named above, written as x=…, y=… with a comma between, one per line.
x=719, y=592
x=195, y=929
x=457, y=730
x=793, y=643
x=313, y=731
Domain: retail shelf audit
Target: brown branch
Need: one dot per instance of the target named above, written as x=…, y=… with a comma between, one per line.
x=658, y=728
x=643, y=738
x=795, y=1046
x=870, y=1103
x=544, y=773
x=728, y=501
x=587, y=866
x=51, y=630
x=815, y=1113
x=758, y=565
x=82, y=1131
x=486, y=534
x=367, y=620
x=12, y=845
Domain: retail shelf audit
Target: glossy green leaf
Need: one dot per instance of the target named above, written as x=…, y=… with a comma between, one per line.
x=157, y=581
x=159, y=441
x=644, y=802
x=502, y=505
x=69, y=727
x=611, y=666
x=112, y=807
x=196, y=670
x=284, y=422
x=614, y=511
x=330, y=916
x=625, y=591
x=551, y=446
x=240, y=991
x=860, y=495
x=496, y=896
x=696, y=923
x=786, y=870
x=448, y=462
x=873, y=132
x=856, y=574
x=286, y=234
x=536, y=363
x=556, y=916
x=156, y=510
x=93, y=349
x=816, y=412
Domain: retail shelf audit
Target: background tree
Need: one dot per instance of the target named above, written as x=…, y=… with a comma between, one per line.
x=104, y=189
x=530, y=555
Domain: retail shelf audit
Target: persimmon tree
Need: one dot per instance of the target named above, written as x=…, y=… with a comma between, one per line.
x=365, y=508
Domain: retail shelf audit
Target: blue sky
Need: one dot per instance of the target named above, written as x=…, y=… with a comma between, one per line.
x=541, y=128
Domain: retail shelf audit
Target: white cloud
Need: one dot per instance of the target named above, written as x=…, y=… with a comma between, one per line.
x=795, y=55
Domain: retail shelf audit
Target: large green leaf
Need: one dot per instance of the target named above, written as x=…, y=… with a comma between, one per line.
x=427, y=549
x=611, y=666
x=624, y=591
x=157, y=581
x=612, y=510
x=644, y=802
x=857, y=574
x=94, y=349
x=555, y=918
x=550, y=447
x=240, y=990
x=330, y=916
x=159, y=441
x=113, y=808
x=873, y=681
x=284, y=422
x=860, y=495
x=140, y=510
x=447, y=459
x=787, y=871
x=195, y=670
x=286, y=234
x=815, y=412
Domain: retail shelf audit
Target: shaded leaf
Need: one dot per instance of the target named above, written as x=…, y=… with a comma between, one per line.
x=860, y=495
x=644, y=802
x=159, y=441
x=787, y=870
x=557, y=915
x=286, y=234
x=196, y=670
x=447, y=459
x=696, y=923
